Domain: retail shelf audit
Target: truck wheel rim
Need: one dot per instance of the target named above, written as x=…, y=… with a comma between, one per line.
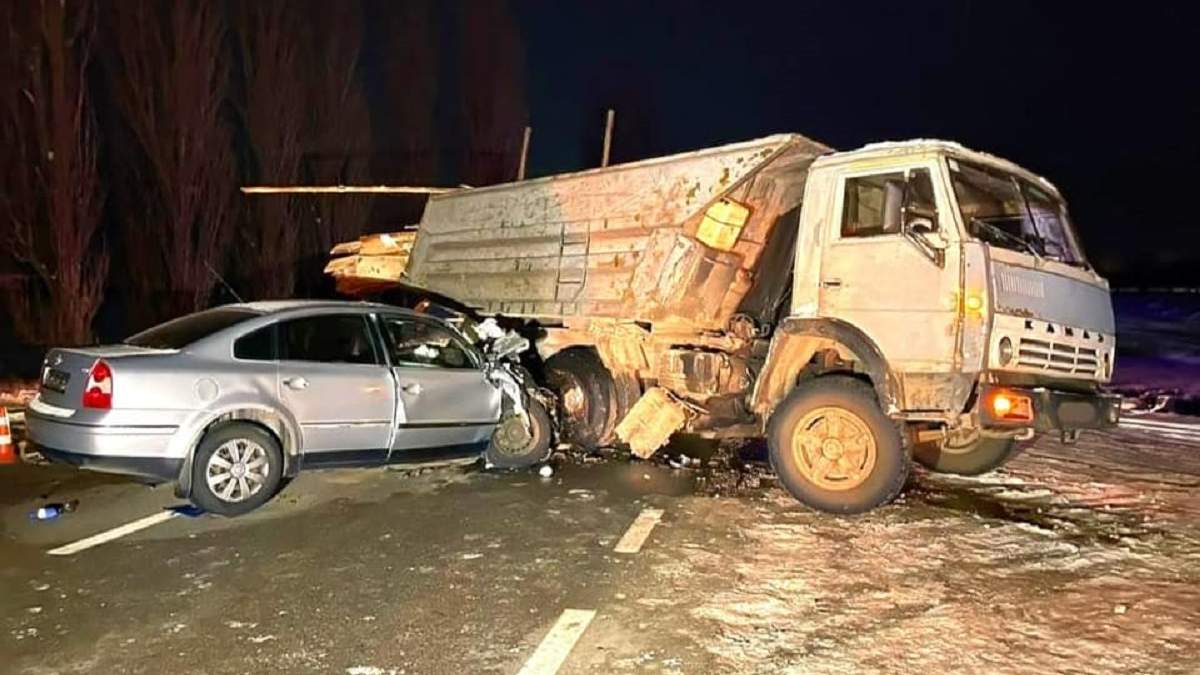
x=834, y=448
x=237, y=470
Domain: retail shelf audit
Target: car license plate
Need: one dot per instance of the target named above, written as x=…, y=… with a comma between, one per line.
x=56, y=380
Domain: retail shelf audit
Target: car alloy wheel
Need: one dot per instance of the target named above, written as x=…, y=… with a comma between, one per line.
x=237, y=470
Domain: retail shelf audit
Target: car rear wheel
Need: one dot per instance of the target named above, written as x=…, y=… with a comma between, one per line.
x=968, y=455
x=834, y=449
x=515, y=445
x=237, y=468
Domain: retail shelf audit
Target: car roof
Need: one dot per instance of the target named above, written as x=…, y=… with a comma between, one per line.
x=279, y=306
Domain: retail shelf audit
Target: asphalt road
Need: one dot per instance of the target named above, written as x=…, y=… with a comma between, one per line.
x=1078, y=559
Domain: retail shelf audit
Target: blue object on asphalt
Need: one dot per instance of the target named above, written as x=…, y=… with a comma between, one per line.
x=52, y=511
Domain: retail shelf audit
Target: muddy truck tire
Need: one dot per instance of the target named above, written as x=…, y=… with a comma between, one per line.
x=965, y=457
x=834, y=449
x=587, y=397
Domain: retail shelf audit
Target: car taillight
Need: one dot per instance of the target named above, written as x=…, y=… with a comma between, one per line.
x=98, y=391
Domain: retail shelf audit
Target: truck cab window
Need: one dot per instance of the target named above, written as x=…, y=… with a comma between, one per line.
x=872, y=205
x=879, y=204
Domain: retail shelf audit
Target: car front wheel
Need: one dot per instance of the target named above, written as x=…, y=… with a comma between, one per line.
x=516, y=444
x=236, y=469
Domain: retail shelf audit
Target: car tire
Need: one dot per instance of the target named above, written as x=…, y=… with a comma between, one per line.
x=971, y=457
x=512, y=448
x=834, y=449
x=586, y=396
x=260, y=457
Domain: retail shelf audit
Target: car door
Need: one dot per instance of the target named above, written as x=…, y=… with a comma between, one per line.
x=334, y=380
x=876, y=278
x=446, y=403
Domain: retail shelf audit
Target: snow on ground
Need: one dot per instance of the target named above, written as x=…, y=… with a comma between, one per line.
x=1070, y=559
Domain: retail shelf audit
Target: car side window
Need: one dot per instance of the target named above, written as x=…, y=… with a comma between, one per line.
x=414, y=342
x=258, y=345
x=327, y=339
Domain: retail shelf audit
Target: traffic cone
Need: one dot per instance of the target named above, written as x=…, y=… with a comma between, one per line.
x=8, y=452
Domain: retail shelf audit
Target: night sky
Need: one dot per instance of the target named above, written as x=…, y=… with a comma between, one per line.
x=1103, y=102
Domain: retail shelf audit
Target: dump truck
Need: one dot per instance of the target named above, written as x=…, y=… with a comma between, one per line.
x=859, y=310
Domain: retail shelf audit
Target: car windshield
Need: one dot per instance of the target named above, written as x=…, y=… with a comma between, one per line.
x=181, y=332
x=1010, y=212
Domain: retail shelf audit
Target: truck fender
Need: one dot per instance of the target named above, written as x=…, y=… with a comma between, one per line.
x=278, y=423
x=797, y=340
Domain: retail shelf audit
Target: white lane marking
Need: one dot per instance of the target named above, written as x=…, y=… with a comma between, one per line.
x=1178, y=434
x=1178, y=437
x=115, y=533
x=1155, y=424
x=639, y=531
x=558, y=643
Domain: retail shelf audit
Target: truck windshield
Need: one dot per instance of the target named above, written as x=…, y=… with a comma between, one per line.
x=1010, y=212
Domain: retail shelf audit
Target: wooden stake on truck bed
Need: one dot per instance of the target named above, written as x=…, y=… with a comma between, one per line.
x=345, y=189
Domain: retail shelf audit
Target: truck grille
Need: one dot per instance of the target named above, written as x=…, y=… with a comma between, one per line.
x=1058, y=357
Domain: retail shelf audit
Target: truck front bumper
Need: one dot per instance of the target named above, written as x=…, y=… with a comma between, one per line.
x=1046, y=409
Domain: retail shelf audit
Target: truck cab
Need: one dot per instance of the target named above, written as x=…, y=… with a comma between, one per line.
x=962, y=274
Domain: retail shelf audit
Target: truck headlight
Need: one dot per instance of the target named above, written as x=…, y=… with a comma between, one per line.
x=1005, y=351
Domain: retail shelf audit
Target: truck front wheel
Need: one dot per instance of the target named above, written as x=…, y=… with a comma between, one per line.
x=966, y=456
x=834, y=449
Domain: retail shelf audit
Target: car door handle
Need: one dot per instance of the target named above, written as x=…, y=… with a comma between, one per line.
x=413, y=388
x=831, y=283
x=296, y=383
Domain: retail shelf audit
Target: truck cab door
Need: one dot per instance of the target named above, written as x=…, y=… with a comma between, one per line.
x=890, y=268
x=446, y=406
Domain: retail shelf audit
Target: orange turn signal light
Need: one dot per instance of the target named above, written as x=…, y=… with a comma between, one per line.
x=1012, y=407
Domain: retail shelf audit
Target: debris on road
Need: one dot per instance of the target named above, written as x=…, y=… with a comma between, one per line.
x=52, y=511
x=546, y=471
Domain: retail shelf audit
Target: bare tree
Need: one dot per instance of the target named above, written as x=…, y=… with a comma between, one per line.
x=52, y=194
x=273, y=110
x=339, y=135
x=409, y=54
x=493, y=92
x=168, y=73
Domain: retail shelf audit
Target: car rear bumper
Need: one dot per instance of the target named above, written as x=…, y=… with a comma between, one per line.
x=157, y=468
x=133, y=450
x=1054, y=410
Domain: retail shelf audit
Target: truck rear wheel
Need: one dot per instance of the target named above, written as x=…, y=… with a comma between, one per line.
x=586, y=397
x=834, y=449
x=969, y=456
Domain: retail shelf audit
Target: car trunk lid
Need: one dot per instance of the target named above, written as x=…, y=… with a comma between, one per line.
x=65, y=371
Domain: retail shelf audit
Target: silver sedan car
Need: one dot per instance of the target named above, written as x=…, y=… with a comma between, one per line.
x=229, y=401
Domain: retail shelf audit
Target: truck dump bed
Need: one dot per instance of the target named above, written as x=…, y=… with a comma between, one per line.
x=673, y=240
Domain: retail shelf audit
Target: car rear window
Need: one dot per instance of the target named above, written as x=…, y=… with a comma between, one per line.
x=181, y=332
